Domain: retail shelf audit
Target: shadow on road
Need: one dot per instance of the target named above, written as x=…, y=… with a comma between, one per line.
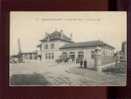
x=28, y=79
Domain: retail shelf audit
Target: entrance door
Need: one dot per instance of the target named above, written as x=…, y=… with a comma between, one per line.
x=72, y=56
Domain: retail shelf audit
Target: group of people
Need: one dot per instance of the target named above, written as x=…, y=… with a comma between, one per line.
x=83, y=64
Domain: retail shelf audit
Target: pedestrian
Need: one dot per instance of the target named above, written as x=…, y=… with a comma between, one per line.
x=81, y=63
x=40, y=57
x=85, y=64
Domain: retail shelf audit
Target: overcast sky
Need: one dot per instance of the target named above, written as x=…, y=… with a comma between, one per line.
x=30, y=27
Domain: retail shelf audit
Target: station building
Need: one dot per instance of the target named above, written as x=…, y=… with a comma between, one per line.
x=57, y=46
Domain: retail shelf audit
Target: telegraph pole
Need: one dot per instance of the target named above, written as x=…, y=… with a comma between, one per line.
x=20, y=59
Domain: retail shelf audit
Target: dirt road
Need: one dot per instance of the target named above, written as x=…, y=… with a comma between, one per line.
x=68, y=75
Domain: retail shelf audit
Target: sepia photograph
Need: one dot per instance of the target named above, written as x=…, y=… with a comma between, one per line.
x=68, y=48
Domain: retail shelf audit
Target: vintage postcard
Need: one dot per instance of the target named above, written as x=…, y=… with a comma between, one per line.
x=64, y=48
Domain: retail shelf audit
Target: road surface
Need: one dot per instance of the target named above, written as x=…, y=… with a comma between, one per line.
x=68, y=75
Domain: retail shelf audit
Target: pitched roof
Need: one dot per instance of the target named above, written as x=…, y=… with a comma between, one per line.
x=86, y=44
x=57, y=35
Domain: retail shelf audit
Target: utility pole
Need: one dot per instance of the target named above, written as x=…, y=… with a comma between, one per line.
x=20, y=59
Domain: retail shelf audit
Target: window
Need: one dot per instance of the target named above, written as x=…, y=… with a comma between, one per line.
x=52, y=55
x=92, y=54
x=46, y=46
x=52, y=46
x=35, y=57
x=64, y=54
x=46, y=56
x=72, y=55
x=80, y=54
x=30, y=56
x=49, y=55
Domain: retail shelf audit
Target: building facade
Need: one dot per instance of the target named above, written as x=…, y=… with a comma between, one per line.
x=24, y=57
x=29, y=56
x=57, y=47
x=51, y=44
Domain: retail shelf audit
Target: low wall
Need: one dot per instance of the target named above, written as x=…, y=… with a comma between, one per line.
x=107, y=59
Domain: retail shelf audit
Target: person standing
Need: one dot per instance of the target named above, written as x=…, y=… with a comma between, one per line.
x=81, y=63
x=85, y=64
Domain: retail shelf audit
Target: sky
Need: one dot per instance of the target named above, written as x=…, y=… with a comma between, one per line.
x=30, y=27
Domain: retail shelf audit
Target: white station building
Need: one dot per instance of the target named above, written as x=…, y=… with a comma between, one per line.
x=56, y=46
